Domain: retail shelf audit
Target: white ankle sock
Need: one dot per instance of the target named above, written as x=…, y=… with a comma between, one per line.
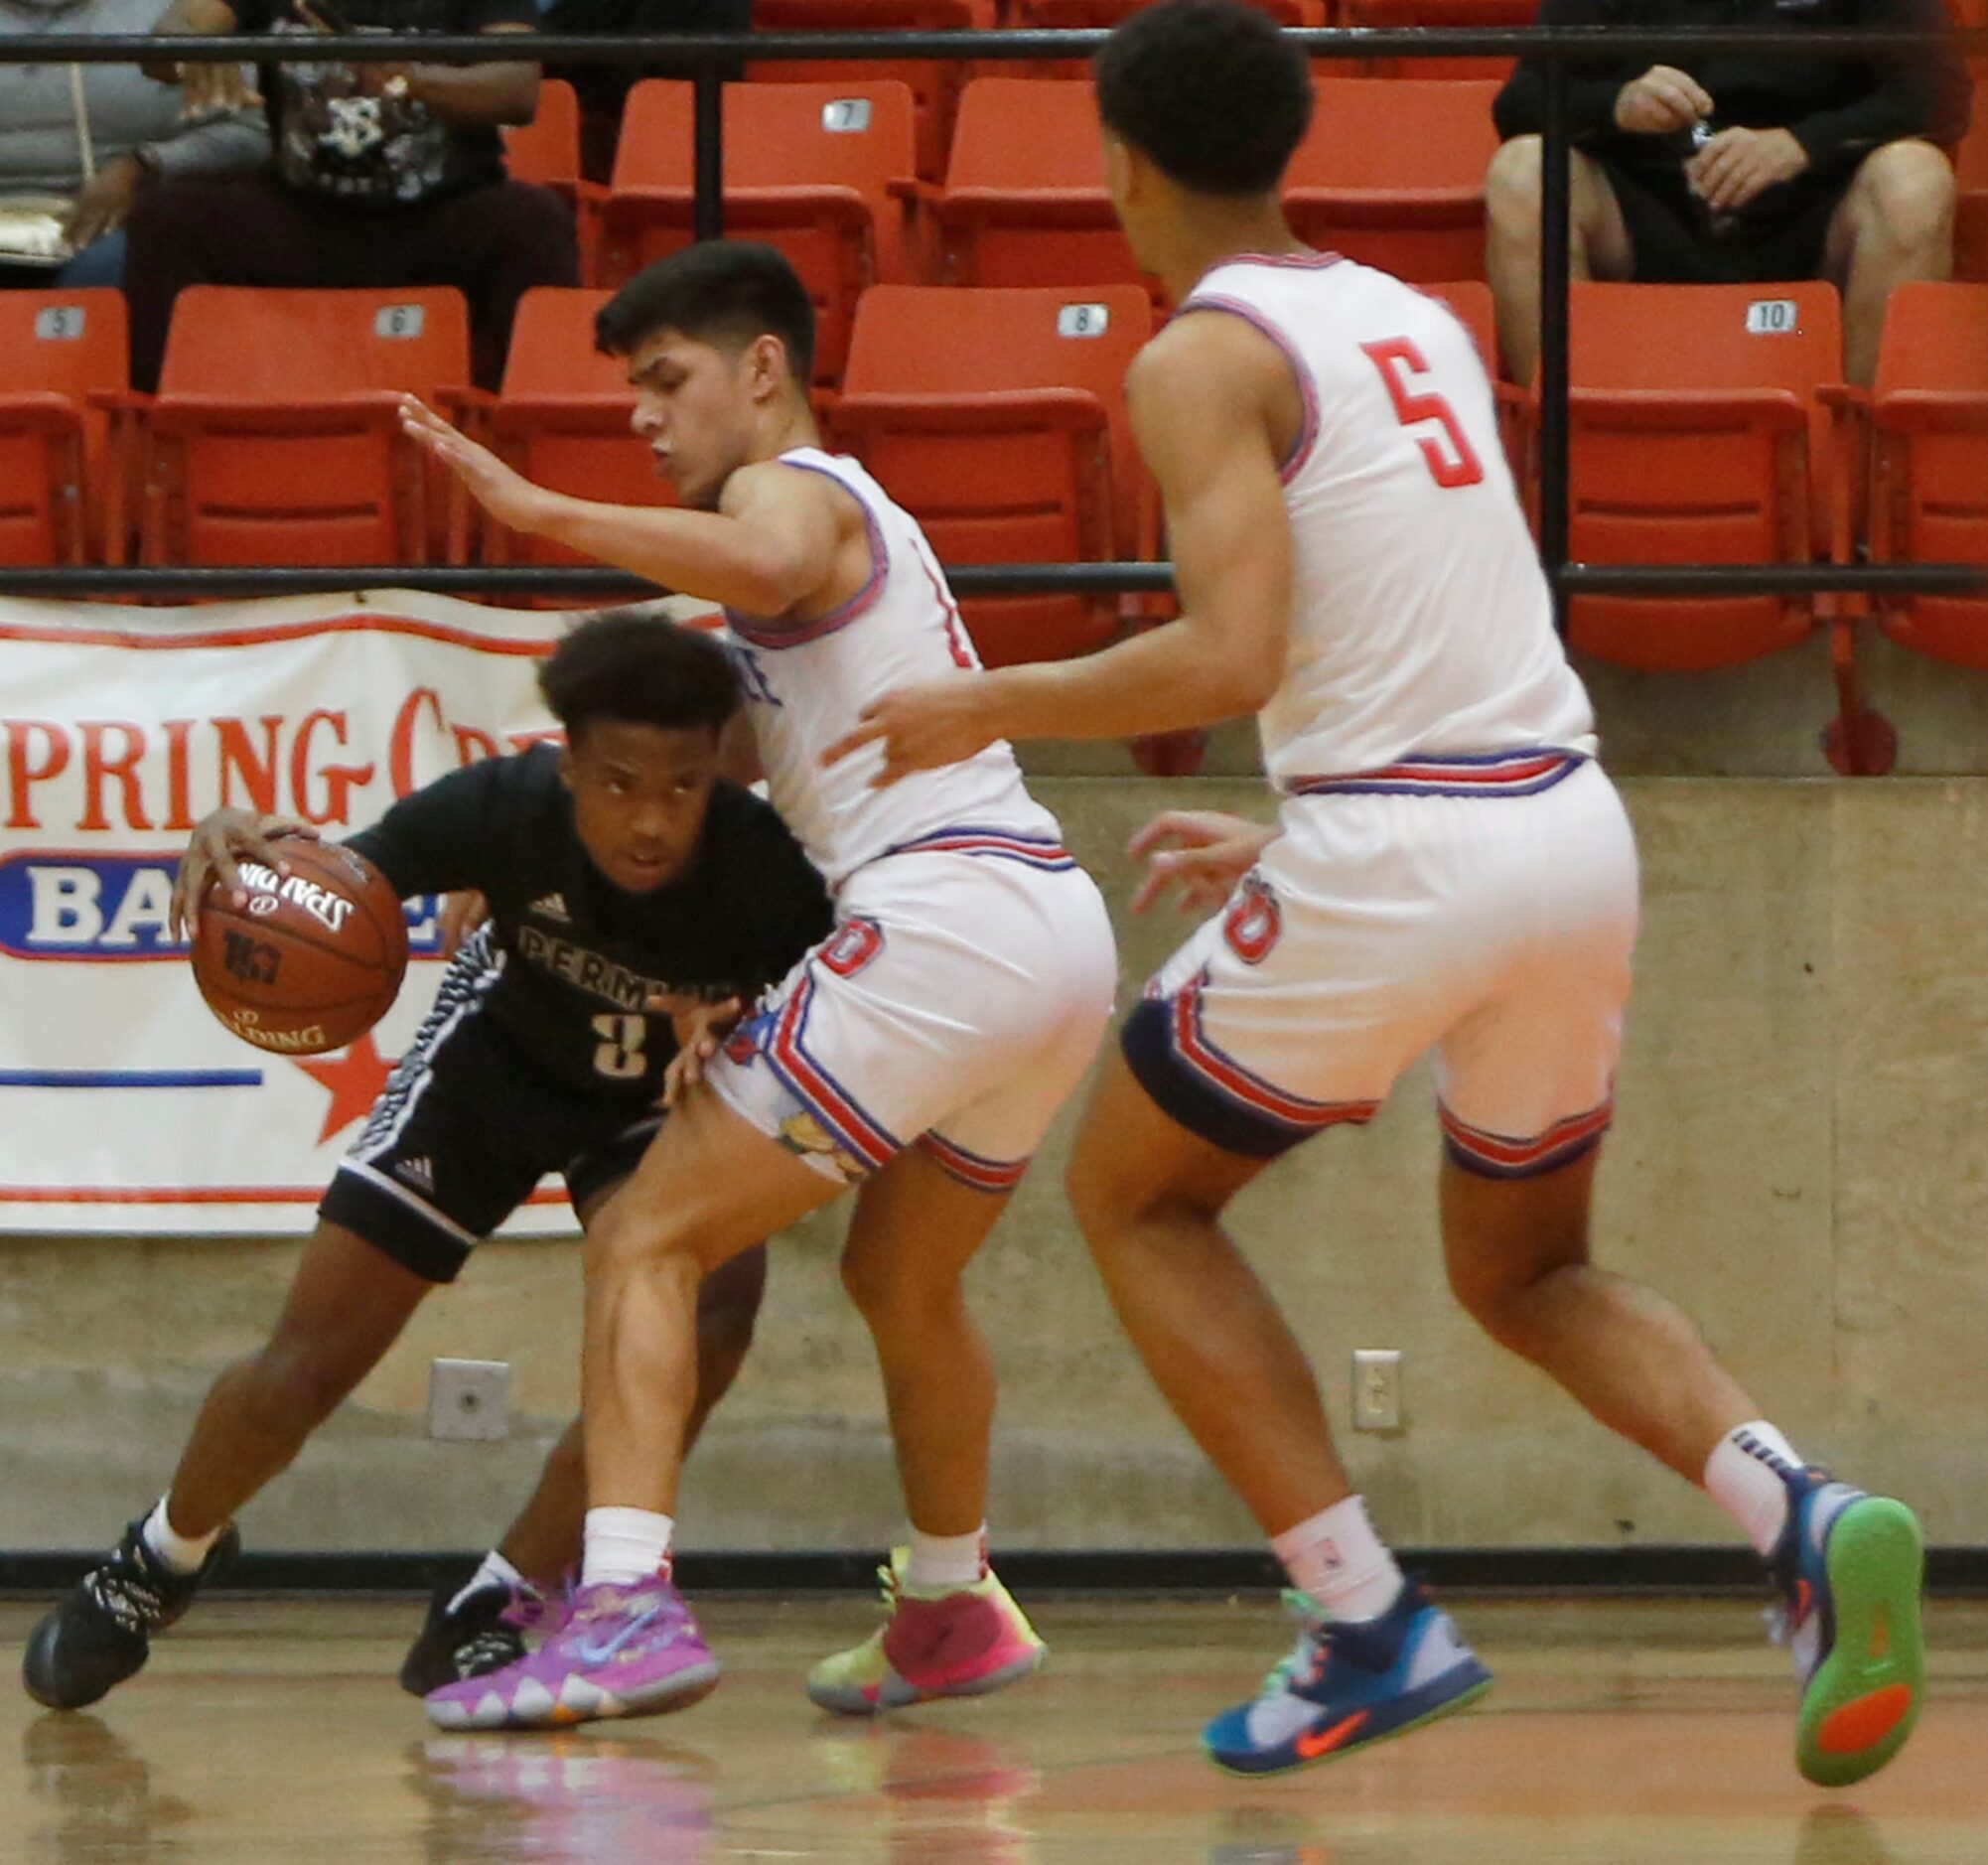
x=495, y=1573
x=182, y=1554
x=625, y=1546
x=946, y=1563
x=1747, y=1476
x=1338, y=1559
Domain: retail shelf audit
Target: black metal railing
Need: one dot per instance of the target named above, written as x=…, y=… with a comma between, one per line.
x=709, y=56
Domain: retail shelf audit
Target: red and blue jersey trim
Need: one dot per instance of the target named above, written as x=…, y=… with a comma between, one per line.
x=1308, y=434
x=760, y=633
x=1487, y=774
x=839, y=1113
x=1288, y=1113
x=970, y=1168
x=1044, y=852
x=1499, y=1156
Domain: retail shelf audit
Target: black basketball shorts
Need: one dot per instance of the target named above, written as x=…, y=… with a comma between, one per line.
x=464, y=1131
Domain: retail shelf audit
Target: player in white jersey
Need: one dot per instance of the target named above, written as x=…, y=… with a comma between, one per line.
x=1449, y=869
x=919, y=1053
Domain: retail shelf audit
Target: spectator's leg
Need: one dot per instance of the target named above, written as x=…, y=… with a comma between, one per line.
x=492, y=244
x=1895, y=224
x=242, y=230
x=1600, y=241
x=100, y=263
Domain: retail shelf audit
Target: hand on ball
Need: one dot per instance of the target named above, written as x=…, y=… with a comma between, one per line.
x=217, y=843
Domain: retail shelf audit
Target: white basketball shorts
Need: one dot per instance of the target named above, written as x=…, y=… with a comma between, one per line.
x=956, y=1005
x=1485, y=908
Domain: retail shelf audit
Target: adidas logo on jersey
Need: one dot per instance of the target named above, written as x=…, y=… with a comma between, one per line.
x=419, y=1173
x=552, y=906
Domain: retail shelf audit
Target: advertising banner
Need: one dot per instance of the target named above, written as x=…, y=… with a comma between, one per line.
x=124, y=1105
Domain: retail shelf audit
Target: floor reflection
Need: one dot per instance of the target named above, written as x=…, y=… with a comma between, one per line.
x=947, y=1798
x=95, y=1795
x=580, y=1797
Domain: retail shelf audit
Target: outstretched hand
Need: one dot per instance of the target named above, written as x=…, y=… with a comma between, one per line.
x=508, y=497
x=1201, y=851
x=922, y=728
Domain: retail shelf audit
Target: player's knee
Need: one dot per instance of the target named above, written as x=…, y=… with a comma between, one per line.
x=889, y=1291
x=623, y=1239
x=1510, y=1302
x=1906, y=198
x=1512, y=187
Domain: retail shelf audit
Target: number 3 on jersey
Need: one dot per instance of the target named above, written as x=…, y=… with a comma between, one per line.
x=620, y=1057
x=1399, y=360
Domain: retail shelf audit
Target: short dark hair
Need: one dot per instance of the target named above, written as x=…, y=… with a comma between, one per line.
x=626, y=664
x=1211, y=90
x=723, y=292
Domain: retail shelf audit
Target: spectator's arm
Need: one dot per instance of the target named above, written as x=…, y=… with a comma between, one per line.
x=228, y=145
x=1922, y=97
x=202, y=18
x=479, y=95
x=1592, y=84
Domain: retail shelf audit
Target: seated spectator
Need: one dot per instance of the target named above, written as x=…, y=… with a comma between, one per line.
x=381, y=175
x=603, y=89
x=1738, y=166
x=78, y=141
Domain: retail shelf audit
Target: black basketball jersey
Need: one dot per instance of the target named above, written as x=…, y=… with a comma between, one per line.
x=579, y=959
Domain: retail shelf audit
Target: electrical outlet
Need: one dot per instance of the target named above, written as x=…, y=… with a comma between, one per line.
x=1376, y=1389
x=469, y=1398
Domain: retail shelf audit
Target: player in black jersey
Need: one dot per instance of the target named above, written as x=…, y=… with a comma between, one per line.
x=620, y=874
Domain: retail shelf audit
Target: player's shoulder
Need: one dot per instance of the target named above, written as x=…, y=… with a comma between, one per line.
x=1206, y=368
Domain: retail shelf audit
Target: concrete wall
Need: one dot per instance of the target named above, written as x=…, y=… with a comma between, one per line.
x=1801, y=1158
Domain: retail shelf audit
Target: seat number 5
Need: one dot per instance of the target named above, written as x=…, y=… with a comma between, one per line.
x=620, y=1057
x=1450, y=460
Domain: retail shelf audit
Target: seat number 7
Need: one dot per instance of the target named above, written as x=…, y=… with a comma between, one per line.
x=1450, y=460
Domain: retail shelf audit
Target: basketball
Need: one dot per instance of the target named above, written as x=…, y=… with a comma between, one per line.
x=310, y=959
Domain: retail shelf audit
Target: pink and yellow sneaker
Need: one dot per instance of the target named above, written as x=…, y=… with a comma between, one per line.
x=621, y=1651
x=962, y=1643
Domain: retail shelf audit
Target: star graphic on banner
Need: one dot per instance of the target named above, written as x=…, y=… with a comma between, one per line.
x=353, y=1079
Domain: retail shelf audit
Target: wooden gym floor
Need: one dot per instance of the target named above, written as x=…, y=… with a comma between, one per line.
x=270, y=1732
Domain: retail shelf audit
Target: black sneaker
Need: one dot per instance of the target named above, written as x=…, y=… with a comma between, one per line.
x=482, y=1633
x=100, y=1633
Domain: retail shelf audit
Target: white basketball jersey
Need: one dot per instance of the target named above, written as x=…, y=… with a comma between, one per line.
x=1420, y=620
x=808, y=685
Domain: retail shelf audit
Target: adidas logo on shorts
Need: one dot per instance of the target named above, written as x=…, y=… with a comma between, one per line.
x=552, y=906
x=419, y=1173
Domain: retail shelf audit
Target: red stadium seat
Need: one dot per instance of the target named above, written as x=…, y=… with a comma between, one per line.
x=997, y=419
x=1394, y=175
x=275, y=436
x=821, y=170
x=547, y=151
x=60, y=475
x=1025, y=202
x=1698, y=436
x=1453, y=14
x=1928, y=415
x=935, y=84
x=563, y=417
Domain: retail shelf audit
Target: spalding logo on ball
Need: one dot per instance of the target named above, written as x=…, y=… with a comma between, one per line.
x=314, y=957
